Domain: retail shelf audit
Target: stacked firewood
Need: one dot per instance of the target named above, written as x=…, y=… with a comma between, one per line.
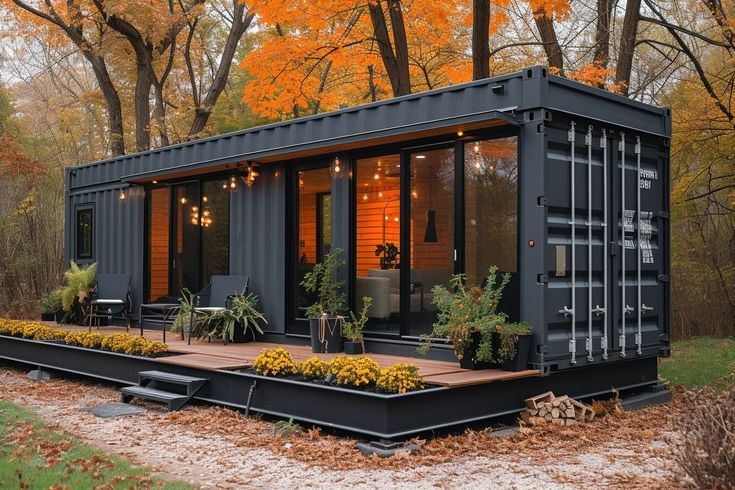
x=561, y=410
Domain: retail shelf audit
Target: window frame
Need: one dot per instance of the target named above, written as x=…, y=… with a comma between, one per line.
x=78, y=210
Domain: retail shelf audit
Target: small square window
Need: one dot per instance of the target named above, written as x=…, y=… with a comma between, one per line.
x=85, y=233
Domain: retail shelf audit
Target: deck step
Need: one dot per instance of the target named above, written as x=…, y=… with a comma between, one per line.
x=173, y=378
x=162, y=386
x=173, y=400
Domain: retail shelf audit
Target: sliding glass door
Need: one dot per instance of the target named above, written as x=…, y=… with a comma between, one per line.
x=425, y=213
x=188, y=237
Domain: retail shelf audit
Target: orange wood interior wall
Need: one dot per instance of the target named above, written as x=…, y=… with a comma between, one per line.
x=311, y=183
x=159, y=242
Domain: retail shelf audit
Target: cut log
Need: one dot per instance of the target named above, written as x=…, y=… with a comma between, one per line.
x=569, y=413
x=548, y=417
x=534, y=401
x=525, y=416
x=555, y=413
x=569, y=422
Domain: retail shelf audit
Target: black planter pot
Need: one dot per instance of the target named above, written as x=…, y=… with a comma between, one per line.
x=332, y=341
x=242, y=336
x=59, y=315
x=468, y=359
x=47, y=317
x=353, y=348
x=519, y=362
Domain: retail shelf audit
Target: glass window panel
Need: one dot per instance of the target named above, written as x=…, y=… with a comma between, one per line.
x=378, y=240
x=491, y=212
x=313, y=210
x=85, y=233
x=158, y=242
x=214, y=221
x=432, y=233
x=186, y=238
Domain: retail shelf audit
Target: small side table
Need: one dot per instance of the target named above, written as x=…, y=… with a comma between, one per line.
x=159, y=311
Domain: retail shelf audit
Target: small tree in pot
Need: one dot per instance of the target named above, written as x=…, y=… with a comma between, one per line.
x=353, y=328
x=325, y=322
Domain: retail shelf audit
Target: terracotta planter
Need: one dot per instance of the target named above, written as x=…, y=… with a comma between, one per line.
x=326, y=335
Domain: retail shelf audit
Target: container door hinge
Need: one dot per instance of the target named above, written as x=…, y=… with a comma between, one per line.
x=542, y=201
x=621, y=341
x=663, y=338
x=498, y=89
x=542, y=279
x=588, y=348
x=603, y=346
x=541, y=128
x=663, y=278
x=613, y=249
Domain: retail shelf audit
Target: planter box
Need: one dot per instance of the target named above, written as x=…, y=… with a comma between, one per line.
x=370, y=414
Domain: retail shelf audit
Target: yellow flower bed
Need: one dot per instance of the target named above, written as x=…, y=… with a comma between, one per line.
x=314, y=368
x=400, y=378
x=360, y=372
x=274, y=362
x=356, y=372
x=30, y=330
x=119, y=342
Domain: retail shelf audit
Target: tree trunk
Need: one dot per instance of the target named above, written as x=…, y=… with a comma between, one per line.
x=552, y=48
x=602, y=33
x=241, y=22
x=143, y=106
x=480, y=39
x=75, y=33
x=395, y=63
x=627, y=44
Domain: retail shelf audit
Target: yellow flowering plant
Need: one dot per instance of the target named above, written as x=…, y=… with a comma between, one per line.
x=275, y=362
x=314, y=368
x=400, y=378
x=360, y=372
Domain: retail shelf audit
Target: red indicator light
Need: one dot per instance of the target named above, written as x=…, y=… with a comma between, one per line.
x=531, y=243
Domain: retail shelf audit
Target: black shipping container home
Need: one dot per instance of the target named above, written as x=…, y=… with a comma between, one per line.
x=564, y=186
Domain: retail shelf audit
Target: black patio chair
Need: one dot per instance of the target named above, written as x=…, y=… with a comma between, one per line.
x=216, y=296
x=111, y=299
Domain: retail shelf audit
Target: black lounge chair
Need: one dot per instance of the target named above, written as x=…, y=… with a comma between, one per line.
x=111, y=299
x=216, y=296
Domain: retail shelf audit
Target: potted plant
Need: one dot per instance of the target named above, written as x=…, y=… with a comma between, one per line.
x=80, y=281
x=512, y=346
x=325, y=322
x=469, y=320
x=352, y=329
x=390, y=252
x=182, y=322
x=235, y=322
x=51, y=306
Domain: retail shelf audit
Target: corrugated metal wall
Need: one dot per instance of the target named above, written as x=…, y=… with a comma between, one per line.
x=118, y=232
x=257, y=241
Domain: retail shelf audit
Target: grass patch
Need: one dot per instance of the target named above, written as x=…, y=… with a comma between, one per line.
x=696, y=362
x=35, y=457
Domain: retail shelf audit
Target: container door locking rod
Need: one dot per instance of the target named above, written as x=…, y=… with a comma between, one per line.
x=588, y=342
x=566, y=311
x=603, y=311
x=625, y=307
x=639, y=335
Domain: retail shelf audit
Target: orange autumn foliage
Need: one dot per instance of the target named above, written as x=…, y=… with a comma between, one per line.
x=316, y=55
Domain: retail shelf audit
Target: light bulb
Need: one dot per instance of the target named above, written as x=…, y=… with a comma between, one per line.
x=477, y=147
x=364, y=197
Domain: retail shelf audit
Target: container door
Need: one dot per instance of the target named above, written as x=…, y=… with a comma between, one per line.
x=640, y=245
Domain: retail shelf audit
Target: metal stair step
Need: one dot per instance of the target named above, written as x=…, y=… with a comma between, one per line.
x=170, y=378
x=153, y=394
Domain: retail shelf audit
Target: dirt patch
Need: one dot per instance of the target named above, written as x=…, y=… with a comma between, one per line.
x=214, y=447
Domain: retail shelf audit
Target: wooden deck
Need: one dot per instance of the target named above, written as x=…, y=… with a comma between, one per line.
x=215, y=355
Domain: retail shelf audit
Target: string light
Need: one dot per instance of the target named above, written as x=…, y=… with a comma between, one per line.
x=364, y=197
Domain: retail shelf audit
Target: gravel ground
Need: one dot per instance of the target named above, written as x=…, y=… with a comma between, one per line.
x=212, y=447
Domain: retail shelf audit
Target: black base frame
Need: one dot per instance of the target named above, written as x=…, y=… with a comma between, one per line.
x=369, y=414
